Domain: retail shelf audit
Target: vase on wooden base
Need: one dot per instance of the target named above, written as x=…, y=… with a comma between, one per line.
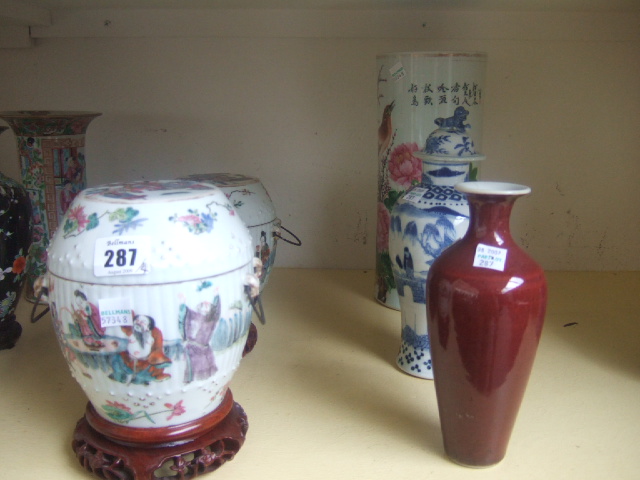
x=151, y=286
x=486, y=306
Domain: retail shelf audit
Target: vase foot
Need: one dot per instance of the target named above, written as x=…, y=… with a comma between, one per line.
x=106, y=458
x=415, y=361
x=10, y=331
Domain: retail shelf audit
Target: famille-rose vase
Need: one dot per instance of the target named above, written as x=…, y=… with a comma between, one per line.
x=15, y=238
x=150, y=286
x=254, y=205
x=486, y=306
x=413, y=90
x=52, y=159
x=428, y=218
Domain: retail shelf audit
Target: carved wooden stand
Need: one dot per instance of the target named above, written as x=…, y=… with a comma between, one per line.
x=10, y=331
x=186, y=451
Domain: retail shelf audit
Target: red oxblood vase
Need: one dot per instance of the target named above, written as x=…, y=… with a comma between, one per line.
x=486, y=302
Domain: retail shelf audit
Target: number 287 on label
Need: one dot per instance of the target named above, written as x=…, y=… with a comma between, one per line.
x=121, y=256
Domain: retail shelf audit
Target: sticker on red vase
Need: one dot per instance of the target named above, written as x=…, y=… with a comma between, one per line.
x=490, y=257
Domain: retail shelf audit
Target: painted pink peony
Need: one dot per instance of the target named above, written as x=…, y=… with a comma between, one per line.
x=190, y=219
x=384, y=219
x=77, y=214
x=404, y=168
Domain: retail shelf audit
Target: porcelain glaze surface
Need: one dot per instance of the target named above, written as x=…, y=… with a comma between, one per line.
x=486, y=306
x=424, y=222
x=415, y=90
x=147, y=285
x=51, y=150
x=254, y=205
x=429, y=218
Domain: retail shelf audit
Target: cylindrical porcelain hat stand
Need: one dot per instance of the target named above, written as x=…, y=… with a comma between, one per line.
x=150, y=287
x=415, y=89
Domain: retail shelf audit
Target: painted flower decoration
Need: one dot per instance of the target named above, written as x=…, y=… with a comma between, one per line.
x=196, y=222
x=126, y=220
x=176, y=410
x=384, y=220
x=19, y=264
x=404, y=168
x=189, y=220
x=118, y=411
x=76, y=219
x=121, y=413
x=7, y=304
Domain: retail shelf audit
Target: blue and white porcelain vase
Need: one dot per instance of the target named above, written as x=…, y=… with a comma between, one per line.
x=426, y=220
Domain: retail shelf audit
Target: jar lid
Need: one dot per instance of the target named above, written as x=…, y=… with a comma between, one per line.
x=451, y=142
x=149, y=232
x=246, y=194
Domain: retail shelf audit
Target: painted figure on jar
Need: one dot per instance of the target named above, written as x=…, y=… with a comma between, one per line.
x=265, y=251
x=197, y=328
x=87, y=319
x=144, y=360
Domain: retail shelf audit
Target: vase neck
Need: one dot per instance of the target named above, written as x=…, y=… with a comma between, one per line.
x=489, y=218
x=435, y=172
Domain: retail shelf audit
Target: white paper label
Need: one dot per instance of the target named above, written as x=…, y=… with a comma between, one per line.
x=121, y=256
x=397, y=71
x=115, y=312
x=490, y=257
x=415, y=195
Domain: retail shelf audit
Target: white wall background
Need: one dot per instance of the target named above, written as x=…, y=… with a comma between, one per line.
x=299, y=111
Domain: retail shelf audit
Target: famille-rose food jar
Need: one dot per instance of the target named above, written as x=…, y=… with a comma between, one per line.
x=249, y=196
x=151, y=286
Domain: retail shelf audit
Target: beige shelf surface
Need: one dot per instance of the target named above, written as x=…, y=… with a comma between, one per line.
x=325, y=400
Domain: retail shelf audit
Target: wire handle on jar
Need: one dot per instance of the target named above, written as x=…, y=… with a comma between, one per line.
x=41, y=290
x=297, y=241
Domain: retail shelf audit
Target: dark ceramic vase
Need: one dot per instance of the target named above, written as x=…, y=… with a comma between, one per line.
x=486, y=306
x=15, y=238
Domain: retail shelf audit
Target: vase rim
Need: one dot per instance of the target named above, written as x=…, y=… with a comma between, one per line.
x=48, y=114
x=492, y=188
x=438, y=53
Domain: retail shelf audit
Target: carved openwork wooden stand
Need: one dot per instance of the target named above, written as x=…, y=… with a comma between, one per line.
x=186, y=451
